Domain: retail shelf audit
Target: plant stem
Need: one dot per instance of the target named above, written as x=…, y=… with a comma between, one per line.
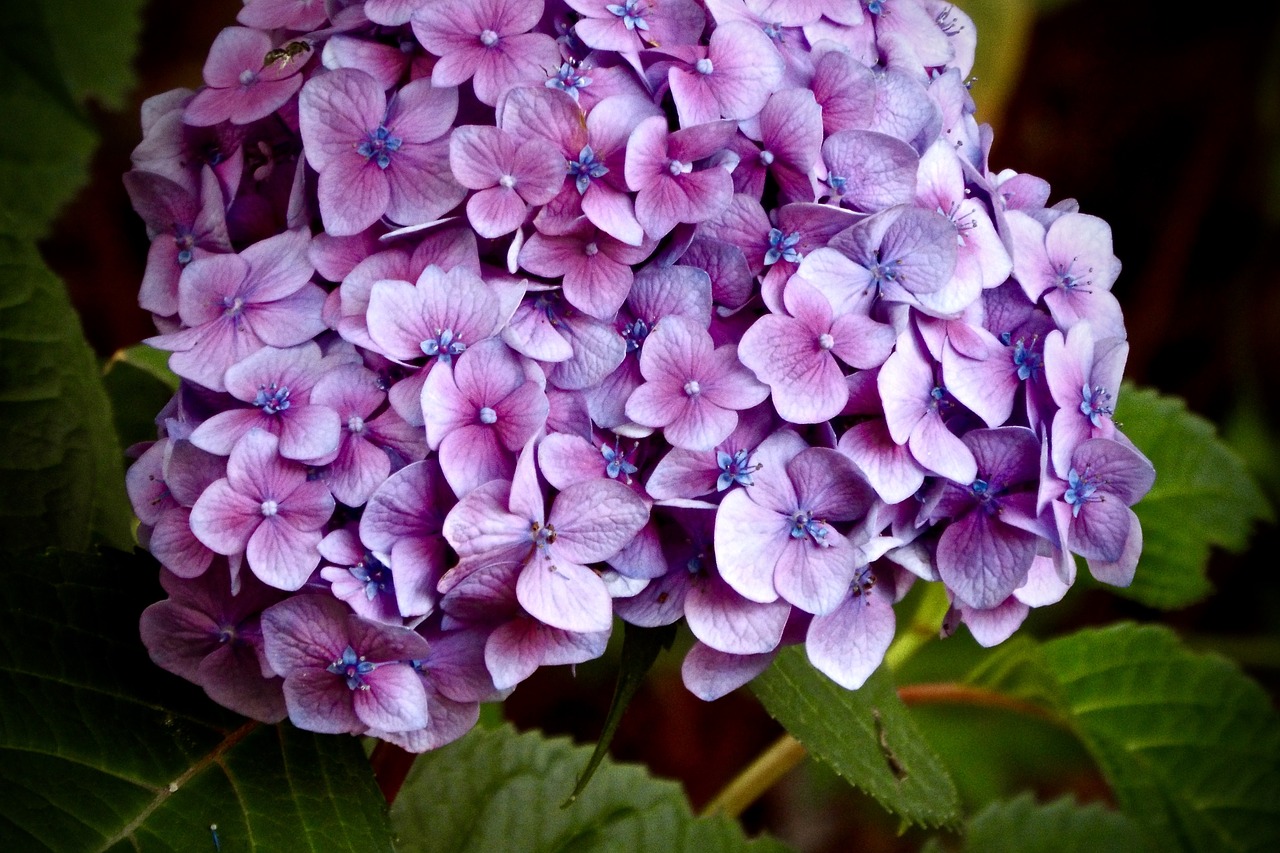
x=925, y=624
x=745, y=788
x=390, y=766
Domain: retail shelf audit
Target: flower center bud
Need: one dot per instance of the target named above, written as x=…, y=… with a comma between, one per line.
x=825, y=341
x=488, y=38
x=269, y=508
x=355, y=424
x=676, y=168
x=703, y=66
x=248, y=77
x=590, y=250
x=488, y=416
x=692, y=388
x=766, y=157
x=507, y=181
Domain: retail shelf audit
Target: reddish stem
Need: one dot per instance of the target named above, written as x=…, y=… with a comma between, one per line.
x=390, y=766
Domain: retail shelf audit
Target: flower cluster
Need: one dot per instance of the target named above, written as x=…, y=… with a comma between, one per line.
x=496, y=320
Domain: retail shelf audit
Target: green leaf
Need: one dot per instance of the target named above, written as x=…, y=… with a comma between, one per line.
x=865, y=735
x=92, y=45
x=1203, y=497
x=504, y=792
x=1022, y=826
x=100, y=750
x=53, y=56
x=1188, y=743
x=139, y=384
x=63, y=473
x=640, y=648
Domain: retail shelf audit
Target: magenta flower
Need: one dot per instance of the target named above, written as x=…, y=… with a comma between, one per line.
x=342, y=673
x=1083, y=374
x=914, y=407
x=849, y=643
x=632, y=25
x=776, y=539
x=277, y=385
x=358, y=577
x=240, y=85
x=593, y=267
x=371, y=443
x=986, y=550
x=1071, y=266
x=731, y=78
x=401, y=526
x=509, y=174
x=588, y=522
x=487, y=42
x=234, y=305
x=183, y=227
x=266, y=509
x=594, y=182
x=301, y=15
x=796, y=356
x=660, y=171
x=1094, y=520
x=213, y=638
x=693, y=389
x=376, y=157
x=789, y=147
x=480, y=412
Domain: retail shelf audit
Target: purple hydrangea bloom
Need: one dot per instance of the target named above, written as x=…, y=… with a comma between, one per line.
x=241, y=85
x=266, y=509
x=487, y=42
x=498, y=319
x=587, y=523
x=343, y=673
x=378, y=158
x=693, y=390
x=777, y=538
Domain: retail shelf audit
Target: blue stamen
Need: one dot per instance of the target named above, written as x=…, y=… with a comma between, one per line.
x=804, y=524
x=782, y=247
x=272, y=398
x=635, y=333
x=378, y=145
x=734, y=469
x=631, y=13
x=616, y=464
x=373, y=573
x=568, y=79
x=353, y=669
x=1080, y=492
x=586, y=168
x=1029, y=363
x=1094, y=404
x=443, y=346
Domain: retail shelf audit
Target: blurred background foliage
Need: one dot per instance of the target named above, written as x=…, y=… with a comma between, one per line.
x=1165, y=124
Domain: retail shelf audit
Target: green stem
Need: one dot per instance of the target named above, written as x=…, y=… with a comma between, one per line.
x=747, y=787
x=787, y=752
x=925, y=624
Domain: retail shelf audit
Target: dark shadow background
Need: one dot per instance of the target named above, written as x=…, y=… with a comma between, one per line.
x=1165, y=124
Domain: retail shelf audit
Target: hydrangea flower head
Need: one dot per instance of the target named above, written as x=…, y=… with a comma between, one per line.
x=498, y=319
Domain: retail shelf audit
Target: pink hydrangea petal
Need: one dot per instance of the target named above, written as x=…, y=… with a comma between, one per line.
x=564, y=595
x=282, y=555
x=395, y=701
x=849, y=643
x=594, y=520
x=748, y=541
